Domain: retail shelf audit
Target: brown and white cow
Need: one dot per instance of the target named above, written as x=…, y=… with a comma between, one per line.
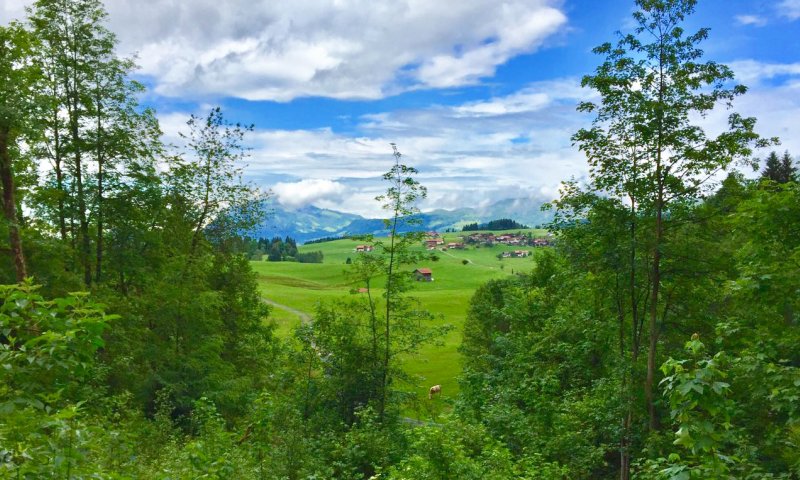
x=434, y=390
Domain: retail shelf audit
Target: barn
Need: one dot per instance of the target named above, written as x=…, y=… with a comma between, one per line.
x=423, y=275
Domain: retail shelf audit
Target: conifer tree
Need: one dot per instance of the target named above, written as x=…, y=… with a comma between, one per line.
x=779, y=170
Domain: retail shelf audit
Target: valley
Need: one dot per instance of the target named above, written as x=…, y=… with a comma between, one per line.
x=294, y=289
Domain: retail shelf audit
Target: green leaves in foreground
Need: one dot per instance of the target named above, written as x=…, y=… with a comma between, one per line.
x=47, y=352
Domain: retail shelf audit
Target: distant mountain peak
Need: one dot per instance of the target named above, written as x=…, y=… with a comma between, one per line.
x=310, y=222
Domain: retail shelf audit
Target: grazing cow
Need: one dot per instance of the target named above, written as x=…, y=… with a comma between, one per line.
x=434, y=390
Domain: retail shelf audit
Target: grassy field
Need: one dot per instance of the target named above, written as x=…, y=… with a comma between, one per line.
x=297, y=288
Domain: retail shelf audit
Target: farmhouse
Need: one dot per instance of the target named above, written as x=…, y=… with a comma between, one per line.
x=364, y=248
x=432, y=243
x=487, y=239
x=516, y=254
x=423, y=275
x=455, y=245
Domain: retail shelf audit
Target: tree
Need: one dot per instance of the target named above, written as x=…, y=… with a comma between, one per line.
x=73, y=36
x=400, y=201
x=90, y=116
x=779, y=170
x=397, y=327
x=219, y=203
x=645, y=151
x=17, y=78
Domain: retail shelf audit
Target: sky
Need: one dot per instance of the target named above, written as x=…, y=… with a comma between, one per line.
x=479, y=95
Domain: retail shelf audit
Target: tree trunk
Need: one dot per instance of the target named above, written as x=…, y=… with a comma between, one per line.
x=653, y=323
x=10, y=206
x=57, y=164
x=655, y=272
x=99, y=261
x=624, y=453
x=204, y=214
x=100, y=161
x=387, y=347
x=85, y=246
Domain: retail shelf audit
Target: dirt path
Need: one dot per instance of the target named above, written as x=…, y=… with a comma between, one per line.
x=304, y=317
x=457, y=258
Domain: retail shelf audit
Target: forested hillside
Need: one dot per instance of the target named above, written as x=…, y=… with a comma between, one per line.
x=656, y=338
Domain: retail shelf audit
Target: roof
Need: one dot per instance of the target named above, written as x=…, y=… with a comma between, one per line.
x=424, y=271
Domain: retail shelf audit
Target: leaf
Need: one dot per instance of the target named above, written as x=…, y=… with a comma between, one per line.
x=719, y=387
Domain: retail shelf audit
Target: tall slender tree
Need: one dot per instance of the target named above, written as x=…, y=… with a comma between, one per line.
x=17, y=77
x=80, y=65
x=219, y=201
x=645, y=149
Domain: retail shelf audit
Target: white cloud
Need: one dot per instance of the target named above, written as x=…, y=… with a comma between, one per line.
x=531, y=99
x=749, y=71
x=345, y=49
x=789, y=9
x=467, y=154
x=754, y=20
x=773, y=99
x=306, y=192
x=514, y=146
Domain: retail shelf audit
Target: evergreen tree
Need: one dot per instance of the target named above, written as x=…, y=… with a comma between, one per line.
x=779, y=170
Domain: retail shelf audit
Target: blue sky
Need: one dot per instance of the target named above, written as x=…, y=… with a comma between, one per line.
x=479, y=95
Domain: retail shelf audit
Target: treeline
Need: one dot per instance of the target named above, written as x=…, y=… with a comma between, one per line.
x=275, y=250
x=326, y=239
x=285, y=250
x=501, y=224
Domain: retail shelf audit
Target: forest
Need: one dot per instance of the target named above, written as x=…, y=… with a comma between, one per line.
x=501, y=224
x=657, y=339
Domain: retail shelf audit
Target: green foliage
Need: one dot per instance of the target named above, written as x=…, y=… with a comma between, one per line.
x=47, y=350
x=558, y=362
x=501, y=224
x=779, y=170
x=700, y=407
x=285, y=250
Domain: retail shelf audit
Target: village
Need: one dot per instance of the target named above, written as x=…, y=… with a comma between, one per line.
x=434, y=240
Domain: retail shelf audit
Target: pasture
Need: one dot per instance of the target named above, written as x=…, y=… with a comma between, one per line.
x=296, y=288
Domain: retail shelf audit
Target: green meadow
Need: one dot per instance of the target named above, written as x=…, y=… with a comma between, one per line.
x=297, y=288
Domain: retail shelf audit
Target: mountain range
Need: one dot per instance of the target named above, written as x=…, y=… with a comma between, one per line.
x=310, y=222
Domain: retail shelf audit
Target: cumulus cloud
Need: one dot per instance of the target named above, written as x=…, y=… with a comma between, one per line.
x=513, y=146
x=534, y=98
x=750, y=71
x=467, y=154
x=306, y=192
x=344, y=49
x=789, y=9
x=773, y=99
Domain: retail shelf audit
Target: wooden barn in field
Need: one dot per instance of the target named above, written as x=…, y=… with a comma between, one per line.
x=423, y=275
